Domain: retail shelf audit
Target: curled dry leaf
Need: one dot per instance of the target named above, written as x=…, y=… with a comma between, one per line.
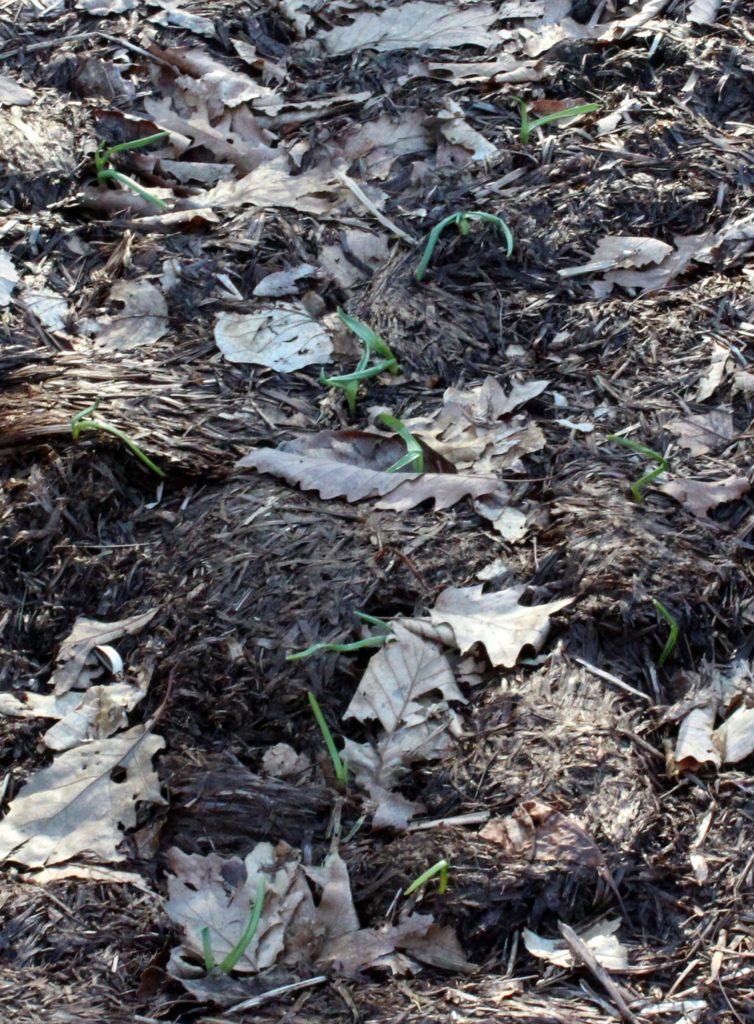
x=83, y=802
x=14, y=95
x=81, y=641
x=284, y=338
x=496, y=620
x=699, y=496
x=353, y=464
x=660, y=275
x=284, y=282
x=47, y=305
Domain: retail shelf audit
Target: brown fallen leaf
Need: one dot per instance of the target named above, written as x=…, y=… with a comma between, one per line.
x=378, y=143
x=661, y=275
x=356, y=256
x=496, y=620
x=413, y=25
x=710, y=382
x=699, y=496
x=83, y=802
x=735, y=737
x=143, y=320
x=83, y=638
x=703, y=432
x=703, y=12
x=401, y=672
x=537, y=832
x=340, y=464
x=217, y=893
x=695, y=746
x=9, y=278
x=271, y=185
x=418, y=934
x=393, y=690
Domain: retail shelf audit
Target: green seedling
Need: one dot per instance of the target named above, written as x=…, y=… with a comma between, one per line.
x=441, y=869
x=230, y=961
x=672, y=636
x=80, y=423
x=349, y=382
x=339, y=765
x=641, y=449
x=372, y=620
x=105, y=173
x=356, y=645
x=527, y=126
x=413, y=460
x=462, y=221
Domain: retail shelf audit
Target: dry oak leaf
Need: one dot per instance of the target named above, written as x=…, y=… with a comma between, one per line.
x=699, y=496
x=419, y=935
x=75, y=806
x=410, y=26
x=83, y=638
x=600, y=940
x=340, y=464
x=703, y=432
x=496, y=620
x=401, y=672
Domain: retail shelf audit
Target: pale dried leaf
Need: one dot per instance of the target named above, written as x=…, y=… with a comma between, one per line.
x=661, y=275
x=413, y=25
x=601, y=941
x=271, y=185
x=217, y=893
x=631, y=251
x=106, y=6
x=284, y=282
x=144, y=318
x=83, y=638
x=735, y=737
x=47, y=306
x=715, y=372
x=703, y=12
x=100, y=712
x=27, y=704
x=171, y=14
x=317, y=463
x=367, y=249
x=418, y=934
x=13, y=94
x=459, y=132
x=75, y=806
x=284, y=338
x=699, y=496
x=703, y=432
x=496, y=620
x=336, y=914
x=504, y=68
x=90, y=873
x=377, y=144
x=8, y=278
x=282, y=762
x=401, y=672
x=695, y=746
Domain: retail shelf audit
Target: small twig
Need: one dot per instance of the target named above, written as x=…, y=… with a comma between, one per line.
x=582, y=952
x=362, y=197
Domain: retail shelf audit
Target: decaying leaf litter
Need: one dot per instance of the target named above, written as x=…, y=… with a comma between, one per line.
x=161, y=758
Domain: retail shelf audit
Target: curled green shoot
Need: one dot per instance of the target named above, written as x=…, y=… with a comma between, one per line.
x=80, y=423
x=230, y=961
x=441, y=869
x=372, y=342
x=105, y=173
x=339, y=765
x=672, y=640
x=638, y=486
x=413, y=460
x=527, y=126
x=462, y=221
x=372, y=620
x=356, y=645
